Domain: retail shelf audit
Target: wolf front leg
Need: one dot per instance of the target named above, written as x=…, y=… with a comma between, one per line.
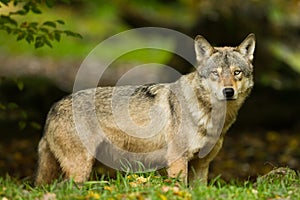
x=177, y=163
x=179, y=169
x=198, y=167
x=198, y=171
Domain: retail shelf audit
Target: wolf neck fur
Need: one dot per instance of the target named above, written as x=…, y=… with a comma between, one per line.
x=200, y=103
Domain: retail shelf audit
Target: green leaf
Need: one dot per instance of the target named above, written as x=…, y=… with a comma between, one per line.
x=66, y=1
x=26, y=7
x=33, y=25
x=49, y=23
x=7, y=20
x=12, y=106
x=70, y=33
x=47, y=42
x=78, y=35
x=8, y=30
x=19, y=12
x=50, y=3
x=5, y=2
x=22, y=125
x=38, y=44
x=29, y=38
x=21, y=35
x=24, y=25
x=20, y=85
x=57, y=36
x=36, y=10
x=35, y=125
x=15, y=2
x=24, y=114
x=2, y=106
x=60, y=22
x=45, y=30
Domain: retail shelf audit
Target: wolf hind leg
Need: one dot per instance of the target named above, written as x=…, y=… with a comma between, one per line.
x=78, y=166
x=48, y=166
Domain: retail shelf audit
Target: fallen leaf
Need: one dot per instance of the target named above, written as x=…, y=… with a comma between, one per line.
x=92, y=195
x=49, y=196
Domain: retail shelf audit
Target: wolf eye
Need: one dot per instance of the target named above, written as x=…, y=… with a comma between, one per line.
x=237, y=72
x=215, y=73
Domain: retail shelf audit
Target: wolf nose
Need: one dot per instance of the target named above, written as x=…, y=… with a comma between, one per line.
x=228, y=92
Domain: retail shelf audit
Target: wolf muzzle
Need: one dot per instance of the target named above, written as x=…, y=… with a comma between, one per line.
x=228, y=93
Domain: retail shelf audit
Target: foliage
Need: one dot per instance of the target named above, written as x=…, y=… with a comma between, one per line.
x=12, y=109
x=13, y=21
x=38, y=33
x=274, y=22
x=151, y=186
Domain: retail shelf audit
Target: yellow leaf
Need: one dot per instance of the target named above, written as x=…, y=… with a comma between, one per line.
x=49, y=196
x=273, y=136
x=93, y=195
x=165, y=188
x=163, y=197
x=175, y=189
x=133, y=184
x=132, y=176
x=141, y=180
x=108, y=188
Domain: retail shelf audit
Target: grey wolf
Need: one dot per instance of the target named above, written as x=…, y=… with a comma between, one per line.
x=183, y=122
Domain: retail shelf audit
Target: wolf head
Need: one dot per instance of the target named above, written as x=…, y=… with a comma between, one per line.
x=226, y=72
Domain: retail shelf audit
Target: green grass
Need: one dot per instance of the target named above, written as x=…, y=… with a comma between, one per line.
x=149, y=186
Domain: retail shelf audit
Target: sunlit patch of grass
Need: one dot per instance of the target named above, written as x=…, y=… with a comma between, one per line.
x=151, y=186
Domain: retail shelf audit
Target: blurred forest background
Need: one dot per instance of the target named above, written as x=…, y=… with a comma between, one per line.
x=267, y=132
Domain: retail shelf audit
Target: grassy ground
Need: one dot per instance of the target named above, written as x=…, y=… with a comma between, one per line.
x=282, y=183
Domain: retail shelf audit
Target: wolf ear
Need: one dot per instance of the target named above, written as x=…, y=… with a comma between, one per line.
x=202, y=47
x=247, y=47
